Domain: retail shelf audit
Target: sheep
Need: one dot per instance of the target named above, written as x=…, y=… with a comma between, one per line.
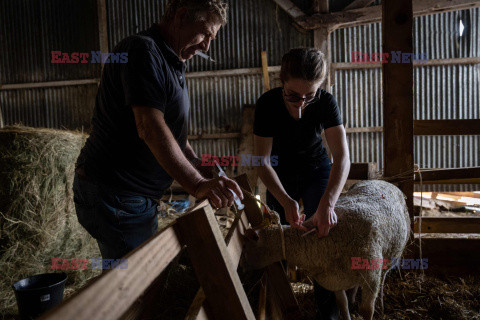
x=373, y=223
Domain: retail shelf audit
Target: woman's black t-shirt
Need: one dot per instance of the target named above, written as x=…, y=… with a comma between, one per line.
x=296, y=143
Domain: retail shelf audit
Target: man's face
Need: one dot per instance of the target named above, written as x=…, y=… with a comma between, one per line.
x=194, y=36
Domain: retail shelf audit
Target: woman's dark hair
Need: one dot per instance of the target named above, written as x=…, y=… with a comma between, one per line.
x=304, y=63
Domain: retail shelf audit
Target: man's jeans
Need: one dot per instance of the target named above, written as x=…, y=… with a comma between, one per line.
x=119, y=223
x=310, y=187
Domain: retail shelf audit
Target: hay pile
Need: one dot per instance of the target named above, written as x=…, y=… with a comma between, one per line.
x=407, y=296
x=37, y=213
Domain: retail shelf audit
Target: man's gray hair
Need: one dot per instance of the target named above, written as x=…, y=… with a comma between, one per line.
x=198, y=10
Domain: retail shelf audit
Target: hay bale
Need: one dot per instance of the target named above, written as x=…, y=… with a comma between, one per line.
x=37, y=213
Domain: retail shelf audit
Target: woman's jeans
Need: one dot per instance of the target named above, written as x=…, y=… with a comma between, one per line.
x=308, y=186
x=119, y=223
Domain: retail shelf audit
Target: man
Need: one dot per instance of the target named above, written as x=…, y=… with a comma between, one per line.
x=138, y=143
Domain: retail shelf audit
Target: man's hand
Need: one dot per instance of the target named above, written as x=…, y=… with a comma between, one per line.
x=292, y=216
x=324, y=219
x=216, y=190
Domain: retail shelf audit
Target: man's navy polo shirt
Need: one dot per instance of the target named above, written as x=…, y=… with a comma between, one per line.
x=154, y=76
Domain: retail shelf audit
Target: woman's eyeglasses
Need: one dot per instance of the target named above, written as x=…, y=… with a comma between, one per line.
x=295, y=98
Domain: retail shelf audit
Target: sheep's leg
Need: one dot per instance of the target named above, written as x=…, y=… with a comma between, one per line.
x=342, y=303
x=384, y=276
x=352, y=295
x=367, y=306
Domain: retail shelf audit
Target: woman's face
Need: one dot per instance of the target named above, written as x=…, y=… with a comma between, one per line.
x=301, y=89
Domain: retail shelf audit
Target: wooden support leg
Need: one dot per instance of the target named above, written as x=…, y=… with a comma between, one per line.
x=213, y=266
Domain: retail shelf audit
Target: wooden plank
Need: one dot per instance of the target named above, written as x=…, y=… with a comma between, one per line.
x=448, y=174
x=453, y=181
x=446, y=127
x=246, y=143
x=234, y=242
x=230, y=135
x=112, y=294
x=49, y=84
x=290, y=8
x=448, y=256
x=416, y=63
x=231, y=72
x=397, y=31
x=363, y=171
x=357, y=4
x=466, y=194
x=102, y=26
x=364, y=129
x=266, y=78
x=262, y=299
x=356, y=17
x=213, y=266
x=278, y=281
x=448, y=225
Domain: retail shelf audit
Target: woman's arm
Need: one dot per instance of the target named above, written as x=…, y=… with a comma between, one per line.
x=263, y=147
x=325, y=217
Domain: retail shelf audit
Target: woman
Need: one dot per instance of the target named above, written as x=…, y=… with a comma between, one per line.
x=288, y=124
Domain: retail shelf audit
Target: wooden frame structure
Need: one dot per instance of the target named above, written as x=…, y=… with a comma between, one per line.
x=123, y=293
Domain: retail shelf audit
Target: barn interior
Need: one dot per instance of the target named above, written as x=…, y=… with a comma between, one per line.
x=414, y=122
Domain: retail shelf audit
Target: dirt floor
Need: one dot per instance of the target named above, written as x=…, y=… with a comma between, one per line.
x=408, y=297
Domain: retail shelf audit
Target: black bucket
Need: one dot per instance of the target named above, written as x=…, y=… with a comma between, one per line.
x=39, y=293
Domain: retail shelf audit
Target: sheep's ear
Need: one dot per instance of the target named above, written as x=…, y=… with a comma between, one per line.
x=251, y=234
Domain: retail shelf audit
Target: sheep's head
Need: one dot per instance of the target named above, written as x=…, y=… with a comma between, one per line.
x=263, y=247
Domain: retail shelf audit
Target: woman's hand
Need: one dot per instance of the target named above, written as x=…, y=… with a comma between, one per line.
x=291, y=214
x=324, y=219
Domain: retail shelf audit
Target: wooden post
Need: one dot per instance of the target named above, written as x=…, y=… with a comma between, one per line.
x=1, y=118
x=246, y=144
x=213, y=265
x=266, y=77
x=102, y=26
x=398, y=95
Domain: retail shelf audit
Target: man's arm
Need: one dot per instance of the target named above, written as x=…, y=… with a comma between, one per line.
x=325, y=217
x=154, y=131
x=263, y=147
x=206, y=171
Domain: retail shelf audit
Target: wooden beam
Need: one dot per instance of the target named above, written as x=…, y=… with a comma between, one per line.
x=416, y=64
x=252, y=210
x=363, y=171
x=209, y=136
x=100, y=298
x=234, y=242
x=246, y=143
x=448, y=225
x=397, y=28
x=102, y=26
x=448, y=174
x=364, y=129
x=266, y=78
x=289, y=7
x=49, y=84
x=320, y=6
x=356, y=17
x=452, y=256
x=466, y=194
x=446, y=127
x=213, y=265
x=277, y=280
x=231, y=72
x=358, y=4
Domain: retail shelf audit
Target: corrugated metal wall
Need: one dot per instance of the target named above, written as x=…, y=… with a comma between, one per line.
x=440, y=92
x=29, y=31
